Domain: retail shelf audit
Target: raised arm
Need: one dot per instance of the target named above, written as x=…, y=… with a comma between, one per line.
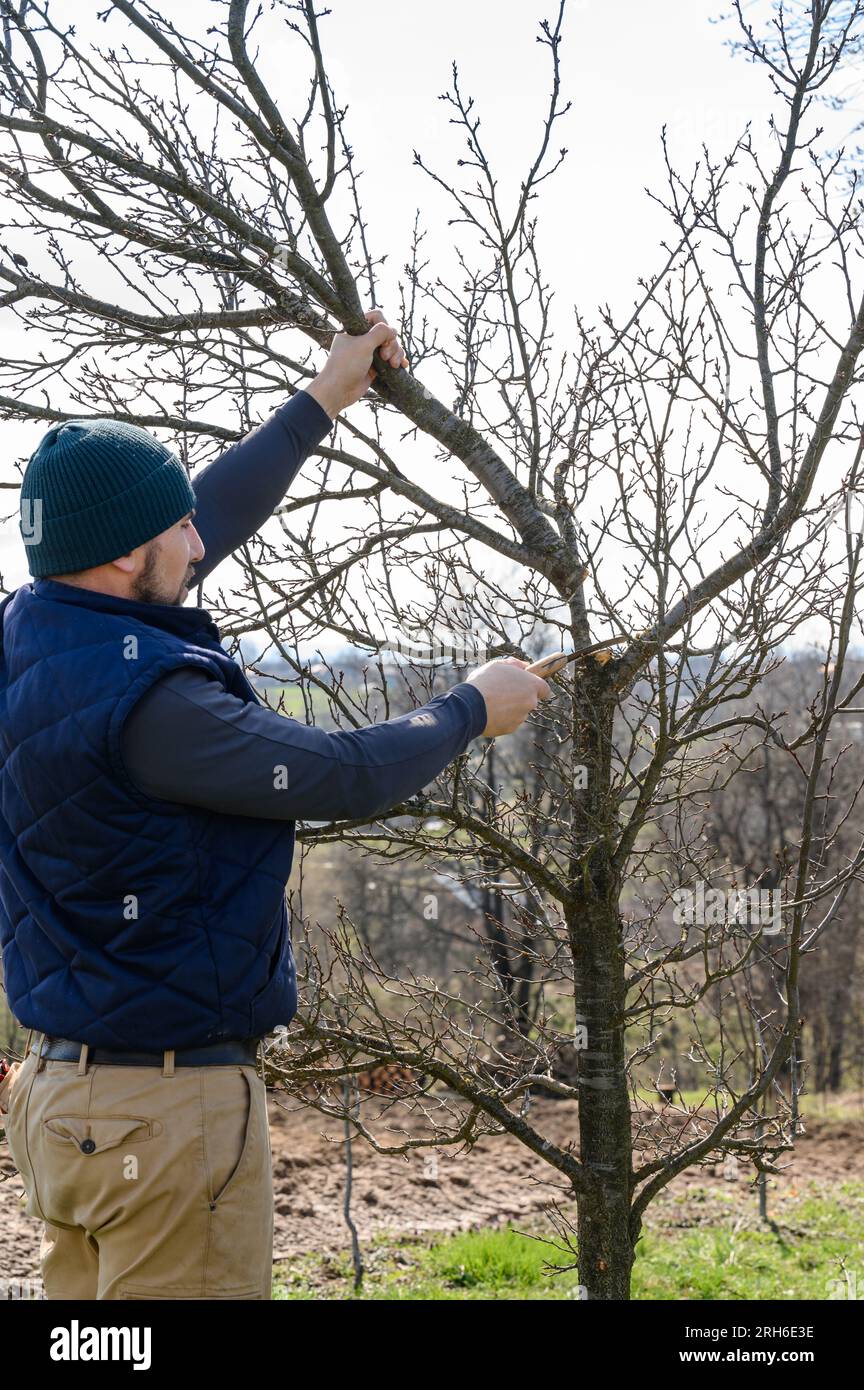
x=242, y=488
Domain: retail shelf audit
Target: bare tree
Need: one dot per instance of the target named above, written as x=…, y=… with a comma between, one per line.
x=657, y=482
x=754, y=824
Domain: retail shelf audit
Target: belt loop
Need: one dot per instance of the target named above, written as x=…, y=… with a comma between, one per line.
x=82, y=1060
x=168, y=1062
x=40, y=1060
x=27, y=1043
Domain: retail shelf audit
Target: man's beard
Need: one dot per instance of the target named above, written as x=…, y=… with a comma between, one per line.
x=146, y=588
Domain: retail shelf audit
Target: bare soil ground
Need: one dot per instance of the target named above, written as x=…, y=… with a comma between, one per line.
x=497, y=1183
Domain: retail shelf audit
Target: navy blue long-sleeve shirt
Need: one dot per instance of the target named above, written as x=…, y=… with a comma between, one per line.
x=188, y=740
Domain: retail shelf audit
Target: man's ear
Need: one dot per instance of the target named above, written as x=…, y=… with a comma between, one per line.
x=126, y=563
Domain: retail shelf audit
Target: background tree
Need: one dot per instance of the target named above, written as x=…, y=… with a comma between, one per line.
x=754, y=824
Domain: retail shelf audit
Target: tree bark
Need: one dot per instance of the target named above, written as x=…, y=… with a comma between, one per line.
x=605, y=1245
x=604, y=1238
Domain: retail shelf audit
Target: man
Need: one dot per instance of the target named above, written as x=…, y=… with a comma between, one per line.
x=147, y=809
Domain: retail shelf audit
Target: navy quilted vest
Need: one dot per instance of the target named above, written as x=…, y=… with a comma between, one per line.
x=125, y=921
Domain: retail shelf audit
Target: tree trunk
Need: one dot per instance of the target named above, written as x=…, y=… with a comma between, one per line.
x=604, y=1237
x=605, y=1243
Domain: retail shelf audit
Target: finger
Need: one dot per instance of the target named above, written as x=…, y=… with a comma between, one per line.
x=389, y=348
x=545, y=692
x=378, y=335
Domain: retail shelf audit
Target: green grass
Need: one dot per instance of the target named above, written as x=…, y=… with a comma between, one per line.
x=798, y=1261
x=478, y=1265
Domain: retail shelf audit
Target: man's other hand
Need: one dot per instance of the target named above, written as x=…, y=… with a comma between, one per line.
x=510, y=692
x=348, y=372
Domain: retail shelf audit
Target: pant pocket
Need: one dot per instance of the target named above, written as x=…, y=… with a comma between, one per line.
x=228, y=1130
x=239, y=1261
x=93, y=1134
x=88, y=1165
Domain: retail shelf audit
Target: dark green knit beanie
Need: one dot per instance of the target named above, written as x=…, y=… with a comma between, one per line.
x=96, y=489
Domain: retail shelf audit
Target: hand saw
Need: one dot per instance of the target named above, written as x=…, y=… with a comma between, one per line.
x=553, y=663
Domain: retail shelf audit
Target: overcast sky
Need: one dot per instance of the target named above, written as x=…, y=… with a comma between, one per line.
x=627, y=68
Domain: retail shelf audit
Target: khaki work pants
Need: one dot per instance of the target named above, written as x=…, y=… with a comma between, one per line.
x=152, y=1182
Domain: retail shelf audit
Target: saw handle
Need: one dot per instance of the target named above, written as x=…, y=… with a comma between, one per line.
x=549, y=665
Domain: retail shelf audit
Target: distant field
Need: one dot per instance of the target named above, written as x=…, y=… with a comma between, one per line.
x=291, y=697
x=292, y=700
